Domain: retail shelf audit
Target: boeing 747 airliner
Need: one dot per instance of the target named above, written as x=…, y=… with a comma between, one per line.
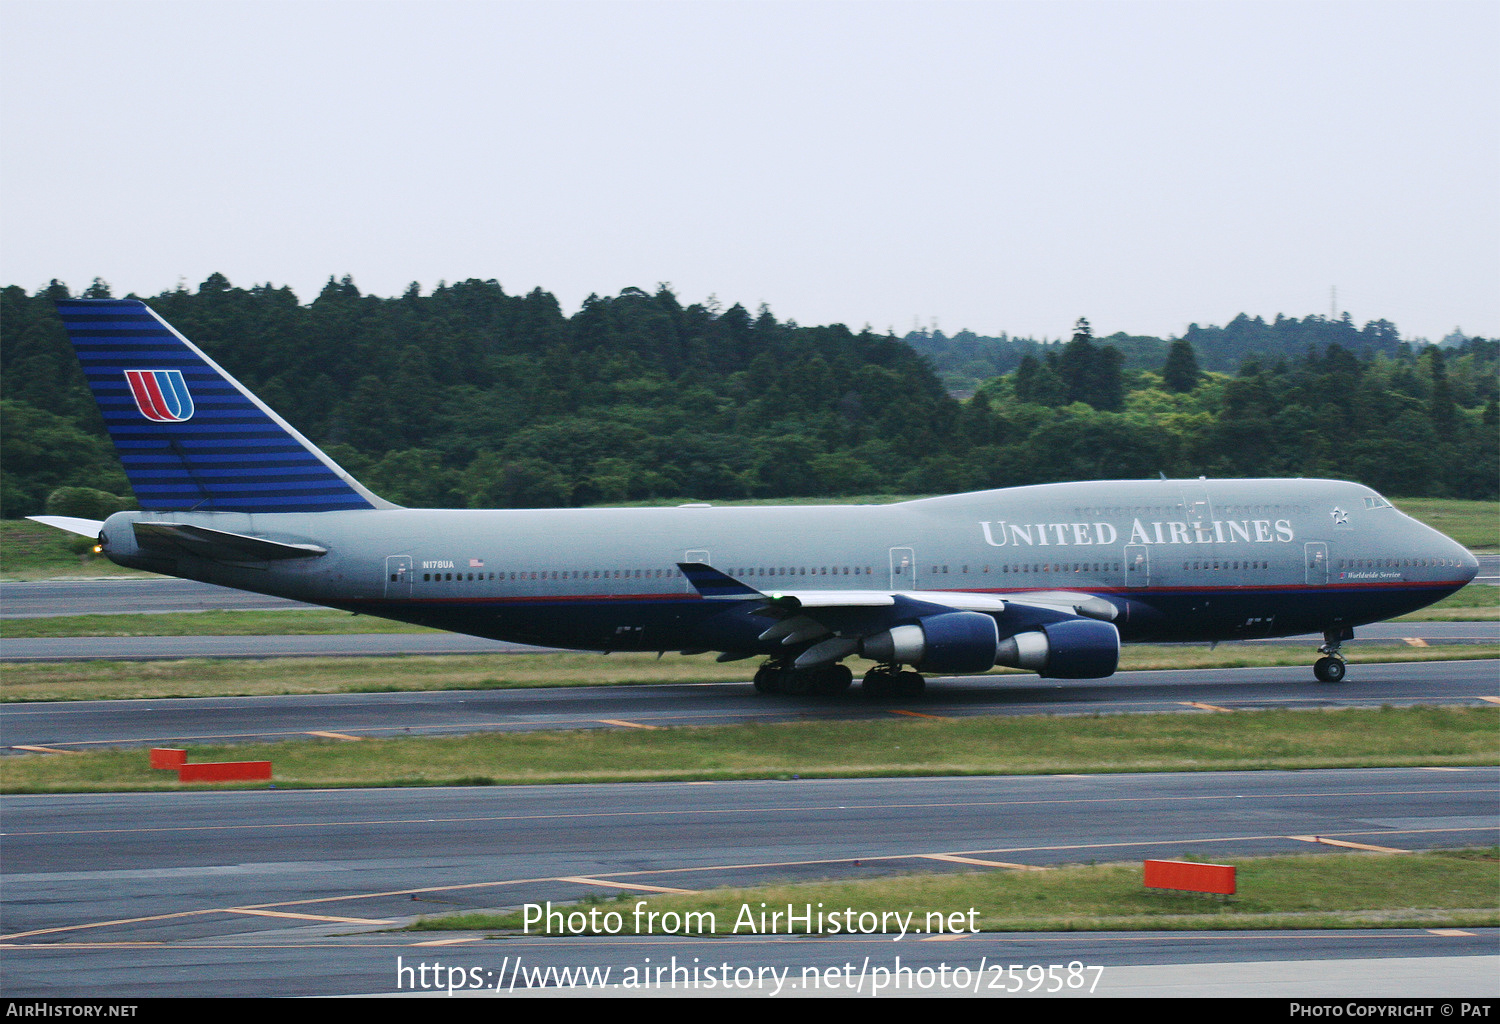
x=1050, y=578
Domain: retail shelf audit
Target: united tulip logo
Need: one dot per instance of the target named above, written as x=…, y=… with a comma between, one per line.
x=161, y=395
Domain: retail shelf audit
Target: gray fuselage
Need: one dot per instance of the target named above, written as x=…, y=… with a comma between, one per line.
x=1179, y=559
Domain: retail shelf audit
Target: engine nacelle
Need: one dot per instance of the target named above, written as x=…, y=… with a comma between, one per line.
x=954, y=642
x=1071, y=649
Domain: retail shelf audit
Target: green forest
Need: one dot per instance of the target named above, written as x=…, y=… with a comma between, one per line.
x=472, y=397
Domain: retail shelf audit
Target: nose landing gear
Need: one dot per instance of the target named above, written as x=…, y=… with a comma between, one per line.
x=1330, y=668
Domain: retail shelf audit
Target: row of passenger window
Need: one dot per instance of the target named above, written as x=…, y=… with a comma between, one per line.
x=1394, y=563
x=1041, y=567
x=822, y=570
x=1225, y=564
x=638, y=574
x=758, y=572
x=549, y=574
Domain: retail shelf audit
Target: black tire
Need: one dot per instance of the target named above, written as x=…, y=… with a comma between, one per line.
x=765, y=680
x=797, y=682
x=1329, y=670
x=877, y=685
x=910, y=684
x=834, y=679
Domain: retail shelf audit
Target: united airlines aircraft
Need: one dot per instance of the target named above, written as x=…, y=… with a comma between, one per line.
x=1049, y=578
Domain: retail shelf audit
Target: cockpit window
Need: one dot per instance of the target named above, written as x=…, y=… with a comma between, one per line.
x=1376, y=501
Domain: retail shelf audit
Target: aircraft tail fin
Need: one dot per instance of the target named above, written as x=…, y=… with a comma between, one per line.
x=192, y=437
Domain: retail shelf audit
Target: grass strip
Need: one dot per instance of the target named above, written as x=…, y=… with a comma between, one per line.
x=240, y=677
x=292, y=622
x=1474, y=524
x=1478, y=602
x=1447, y=888
x=898, y=746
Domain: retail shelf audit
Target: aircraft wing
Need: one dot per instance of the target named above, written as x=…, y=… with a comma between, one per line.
x=838, y=620
x=717, y=586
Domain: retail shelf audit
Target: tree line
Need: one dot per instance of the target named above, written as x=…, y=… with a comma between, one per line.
x=966, y=360
x=472, y=397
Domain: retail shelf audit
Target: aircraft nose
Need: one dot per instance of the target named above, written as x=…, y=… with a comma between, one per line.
x=1468, y=565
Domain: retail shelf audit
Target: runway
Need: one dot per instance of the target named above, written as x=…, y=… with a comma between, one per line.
x=273, y=892
x=79, y=725
x=292, y=893
x=128, y=594
x=146, y=594
x=175, y=648
x=373, y=645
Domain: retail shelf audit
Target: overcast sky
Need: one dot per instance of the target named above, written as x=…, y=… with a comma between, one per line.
x=1001, y=166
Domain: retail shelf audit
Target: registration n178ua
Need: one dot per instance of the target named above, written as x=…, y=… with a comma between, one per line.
x=1050, y=578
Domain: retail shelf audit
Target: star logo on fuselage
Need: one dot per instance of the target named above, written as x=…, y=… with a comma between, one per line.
x=1340, y=517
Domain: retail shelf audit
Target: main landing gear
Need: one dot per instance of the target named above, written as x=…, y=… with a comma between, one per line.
x=780, y=677
x=890, y=681
x=1330, y=668
x=825, y=680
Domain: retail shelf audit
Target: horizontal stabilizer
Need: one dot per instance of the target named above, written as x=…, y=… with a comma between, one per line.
x=218, y=544
x=82, y=527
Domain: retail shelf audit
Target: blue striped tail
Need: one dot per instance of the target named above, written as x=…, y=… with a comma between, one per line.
x=190, y=435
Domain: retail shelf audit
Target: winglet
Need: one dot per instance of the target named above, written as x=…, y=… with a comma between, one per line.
x=715, y=585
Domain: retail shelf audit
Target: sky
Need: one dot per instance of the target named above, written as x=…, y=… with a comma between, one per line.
x=991, y=166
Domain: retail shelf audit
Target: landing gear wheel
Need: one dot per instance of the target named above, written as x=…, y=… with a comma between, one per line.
x=797, y=682
x=1329, y=670
x=832, y=679
x=774, y=677
x=1330, y=667
x=878, y=684
x=910, y=684
x=884, y=681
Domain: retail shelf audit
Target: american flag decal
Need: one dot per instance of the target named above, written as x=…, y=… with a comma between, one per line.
x=476, y=563
x=161, y=395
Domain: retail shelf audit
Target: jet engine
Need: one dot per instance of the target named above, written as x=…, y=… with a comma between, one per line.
x=1071, y=649
x=954, y=642
x=960, y=642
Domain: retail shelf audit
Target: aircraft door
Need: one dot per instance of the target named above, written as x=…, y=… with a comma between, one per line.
x=1316, y=560
x=694, y=556
x=1195, y=504
x=398, y=576
x=1137, y=566
x=903, y=569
